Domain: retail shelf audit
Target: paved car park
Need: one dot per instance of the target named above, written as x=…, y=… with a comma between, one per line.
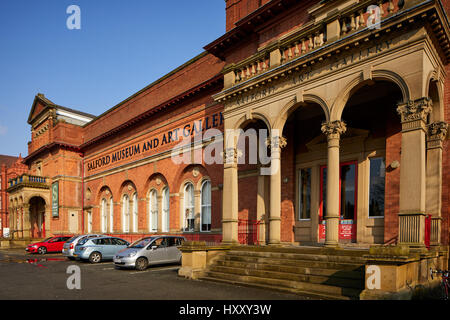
x=32, y=276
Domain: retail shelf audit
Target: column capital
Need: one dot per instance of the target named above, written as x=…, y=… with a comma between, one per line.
x=230, y=155
x=334, y=129
x=414, y=113
x=437, y=132
x=276, y=142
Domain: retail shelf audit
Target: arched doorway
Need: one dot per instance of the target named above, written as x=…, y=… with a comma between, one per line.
x=301, y=161
x=253, y=186
x=37, y=217
x=370, y=154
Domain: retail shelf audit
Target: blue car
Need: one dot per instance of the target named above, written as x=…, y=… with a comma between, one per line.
x=99, y=249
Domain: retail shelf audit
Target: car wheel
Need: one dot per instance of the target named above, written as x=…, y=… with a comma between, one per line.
x=95, y=257
x=42, y=250
x=141, y=264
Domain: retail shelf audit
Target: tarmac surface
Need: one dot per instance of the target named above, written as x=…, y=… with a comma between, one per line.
x=45, y=277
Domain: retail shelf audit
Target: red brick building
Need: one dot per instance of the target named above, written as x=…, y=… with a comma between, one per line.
x=356, y=115
x=10, y=167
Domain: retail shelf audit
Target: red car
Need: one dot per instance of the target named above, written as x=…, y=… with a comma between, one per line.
x=52, y=244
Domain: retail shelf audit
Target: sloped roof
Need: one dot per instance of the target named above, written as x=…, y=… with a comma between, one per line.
x=7, y=160
x=48, y=103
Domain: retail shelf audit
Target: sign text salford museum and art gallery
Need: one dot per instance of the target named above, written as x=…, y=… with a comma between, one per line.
x=190, y=129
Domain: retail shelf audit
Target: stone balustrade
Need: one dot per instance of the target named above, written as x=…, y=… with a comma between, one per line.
x=312, y=37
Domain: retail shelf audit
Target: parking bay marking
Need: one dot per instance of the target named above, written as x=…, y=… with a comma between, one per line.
x=155, y=270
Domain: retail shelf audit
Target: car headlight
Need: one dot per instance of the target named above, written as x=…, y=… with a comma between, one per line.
x=35, y=246
x=132, y=254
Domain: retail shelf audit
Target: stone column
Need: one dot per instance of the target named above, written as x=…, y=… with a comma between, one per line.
x=333, y=131
x=262, y=206
x=276, y=144
x=26, y=227
x=230, y=198
x=436, y=135
x=412, y=171
x=12, y=222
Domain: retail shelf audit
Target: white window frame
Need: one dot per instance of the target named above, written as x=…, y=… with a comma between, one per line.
x=89, y=222
x=125, y=213
x=207, y=205
x=153, y=211
x=135, y=217
x=165, y=210
x=111, y=215
x=189, y=205
x=103, y=216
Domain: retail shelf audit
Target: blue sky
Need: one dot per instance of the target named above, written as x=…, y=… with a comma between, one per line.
x=122, y=47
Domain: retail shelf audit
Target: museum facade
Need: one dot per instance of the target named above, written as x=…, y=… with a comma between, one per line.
x=348, y=99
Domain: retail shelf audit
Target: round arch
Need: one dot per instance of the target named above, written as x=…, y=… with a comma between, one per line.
x=357, y=83
x=293, y=105
x=434, y=90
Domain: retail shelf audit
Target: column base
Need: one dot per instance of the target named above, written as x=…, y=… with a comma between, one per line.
x=230, y=242
x=332, y=244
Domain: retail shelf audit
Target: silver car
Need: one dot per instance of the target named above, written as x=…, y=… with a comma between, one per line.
x=69, y=246
x=149, y=251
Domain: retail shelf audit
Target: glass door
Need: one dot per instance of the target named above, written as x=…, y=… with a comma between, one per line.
x=348, y=176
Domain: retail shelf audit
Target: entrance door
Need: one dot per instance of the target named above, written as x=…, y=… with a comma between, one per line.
x=348, y=176
x=38, y=225
x=73, y=221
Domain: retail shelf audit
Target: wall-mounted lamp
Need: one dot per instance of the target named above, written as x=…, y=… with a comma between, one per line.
x=394, y=165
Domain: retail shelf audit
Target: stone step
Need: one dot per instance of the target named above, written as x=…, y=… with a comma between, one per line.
x=293, y=262
x=300, y=256
x=304, y=278
x=354, y=274
x=305, y=294
x=307, y=287
x=357, y=252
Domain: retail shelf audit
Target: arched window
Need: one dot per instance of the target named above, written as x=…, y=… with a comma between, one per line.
x=206, y=206
x=165, y=210
x=126, y=213
x=189, y=202
x=153, y=211
x=111, y=215
x=89, y=222
x=104, y=217
x=135, y=212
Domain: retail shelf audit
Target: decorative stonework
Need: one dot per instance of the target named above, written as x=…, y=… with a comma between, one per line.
x=334, y=129
x=230, y=155
x=437, y=132
x=277, y=142
x=158, y=181
x=414, y=113
x=195, y=172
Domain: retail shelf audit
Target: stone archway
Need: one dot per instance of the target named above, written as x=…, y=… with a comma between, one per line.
x=37, y=208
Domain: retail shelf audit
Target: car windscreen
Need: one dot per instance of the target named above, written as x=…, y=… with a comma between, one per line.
x=47, y=239
x=141, y=243
x=83, y=241
x=72, y=239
